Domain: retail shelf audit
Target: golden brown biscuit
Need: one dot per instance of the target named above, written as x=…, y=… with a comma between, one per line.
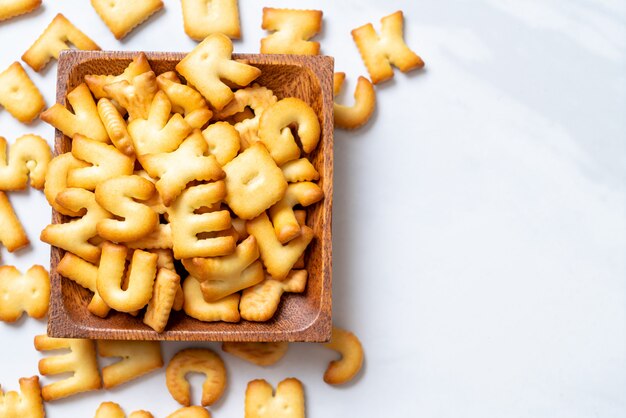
x=81, y=361
x=286, y=225
x=187, y=224
x=357, y=115
x=116, y=128
x=30, y=155
x=299, y=170
x=25, y=403
x=96, y=82
x=134, y=95
x=160, y=238
x=185, y=100
x=137, y=359
x=122, y=16
x=206, y=17
x=287, y=402
x=292, y=31
x=223, y=141
x=279, y=141
x=113, y=410
x=349, y=347
x=56, y=180
x=190, y=412
x=380, y=51
x=198, y=360
x=278, y=258
x=81, y=230
x=12, y=234
x=54, y=39
x=259, y=353
x=83, y=120
x=12, y=8
x=19, y=95
x=260, y=302
x=166, y=286
x=226, y=309
x=209, y=63
x=29, y=292
x=254, y=182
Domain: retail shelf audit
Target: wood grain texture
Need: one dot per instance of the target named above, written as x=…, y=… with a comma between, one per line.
x=300, y=317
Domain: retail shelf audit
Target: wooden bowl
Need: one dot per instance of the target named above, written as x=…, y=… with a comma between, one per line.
x=300, y=317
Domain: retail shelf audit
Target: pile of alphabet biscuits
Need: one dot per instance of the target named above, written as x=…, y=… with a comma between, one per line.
x=182, y=191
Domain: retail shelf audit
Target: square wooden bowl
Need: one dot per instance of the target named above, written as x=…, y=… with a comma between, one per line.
x=300, y=317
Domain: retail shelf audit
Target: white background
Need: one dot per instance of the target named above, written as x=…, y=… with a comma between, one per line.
x=479, y=221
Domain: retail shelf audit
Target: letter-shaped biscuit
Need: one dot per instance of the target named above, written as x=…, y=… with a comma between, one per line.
x=142, y=272
x=19, y=95
x=256, y=98
x=285, y=223
x=82, y=119
x=118, y=195
x=106, y=162
x=209, y=63
x=30, y=154
x=199, y=360
x=223, y=141
x=25, y=403
x=81, y=361
x=19, y=293
x=379, y=52
x=12, y=234
x=135, y=95
x=292, y=31
x=357, y=115
x=223, y=276
x=113, y=410
x=259, y=353
x=299, y=170
x=186, y=224
x=166, y=285
x=226, y=309
x=259, y=303
x=96, y=82
x=122, y=16
x=158, y=132
x=115, y=126
x=160, y=238
x=278, y=258
x=85, y=274
x=190, y=412
x=185, y=100
x=275, y=133
x=80, y=230
x=178, y=168
x=12, y=8
x=54, y=39
x=205, y=17
x=137, y=359
x=56, y=180
x=254, y=182
x=349, y=347
x=288, y=402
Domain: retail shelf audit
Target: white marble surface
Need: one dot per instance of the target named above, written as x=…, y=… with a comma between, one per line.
x=479, y=221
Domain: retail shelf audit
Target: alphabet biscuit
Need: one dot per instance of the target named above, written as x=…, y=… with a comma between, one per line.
x=260, y=302
x=86, y=275
x=349, y=347
x=164, y=291
x=134, y=95
x=225, y=309
x=205, y=17
x=12, y=234
x=25, y=403
x=292, y=31
x=18, y=94
x=20, y=293
x=30, y=155
x=185, y=100
x=113, y=410
x=12, y=8
x=116, y=128
x=199, y=360
x=122, y=16
x=223, y=141
x=56, y=180
x=96, y=82
x=287, y=402
x=286, y=225
x=137, y=359
x=357, y=115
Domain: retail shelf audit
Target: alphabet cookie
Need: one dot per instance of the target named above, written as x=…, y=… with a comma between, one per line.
x=12, y=234
x=122, y=16
x=199, y=360
x=260, y=302
x=357, y=115
x=287, y=402
x=29, y=292
x=137, y=359
x=29, y=156
x=18, y=94
x=12, y=8
x=206, y=17
x=25, y=403
x=225, y=309
x=292, y=31
x=349, y=347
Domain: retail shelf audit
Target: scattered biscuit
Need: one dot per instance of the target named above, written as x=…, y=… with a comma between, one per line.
x=196, y=360
x=81, y=361
x=379, y=52
x=259, y=353
x=137, y=359
x=166, y=286
x=259, y=303
x=292, y=31
x=27, y=403
x=19, y=95
x=226, y=309
x=357, y=115
x=185, y=100
x=113, y=410
x=30, y=155
x=12, y=234
x=20, y=293
x=122, y=16
x=83, y=120
x=209, y=63
x=206, y=17
x=54, y=39
x=349, y=347
x=303, y=193
x=190, y=412
x=287, y=402
x=279, y=141
x=56, y=180
x=96, y=82
x=223, y=141
x=299, y=170
x=12, y=8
